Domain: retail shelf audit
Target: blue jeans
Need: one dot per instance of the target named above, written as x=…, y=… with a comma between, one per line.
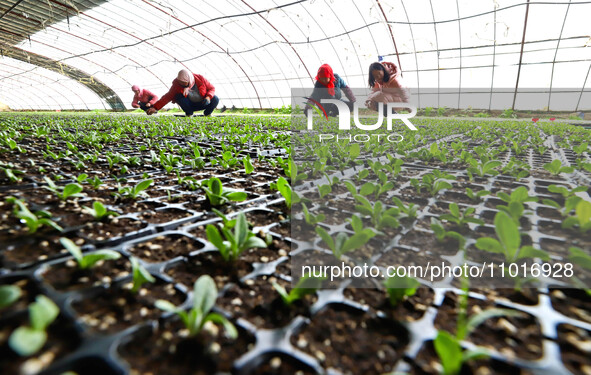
x=189, y=107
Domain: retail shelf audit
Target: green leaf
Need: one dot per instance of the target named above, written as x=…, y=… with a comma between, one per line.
x=237, y=196
x=508, y=234
x=579, y=257
x=230, y=329
x=531, y=252
x=355, y=242
x=9, y=294
x=583, y=212
x=489, y=244
x=71, y=190
x=143, y=185
x=326, y=238
x=140, y=275
x=215, y=184
x=454, y=209
x=213, y=236
x=241, y=229
x=89, y=260
x=449, y=351
x=248, y=167
x=42, y=312
x=204, y=294
x=354, y=150
x=165, y=306
x=73, y=249
x=367, y=188
x=26, y=341
x=99, y=209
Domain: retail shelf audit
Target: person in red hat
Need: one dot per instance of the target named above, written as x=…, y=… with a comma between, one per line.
x=142, y=98
x=192, y=92
x=330, y=86
x=386, y=85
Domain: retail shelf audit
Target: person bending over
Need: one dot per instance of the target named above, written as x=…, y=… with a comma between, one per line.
x=386, y=85
x=192, y=92
x=142, y=98
x=330, y=86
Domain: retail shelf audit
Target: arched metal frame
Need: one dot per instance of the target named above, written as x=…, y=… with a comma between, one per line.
x=192, y=37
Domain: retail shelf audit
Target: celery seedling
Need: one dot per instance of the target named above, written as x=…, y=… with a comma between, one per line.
x=555, y=167
x=460, y=218
x=32, y=220
x=305, y=285
x=509, y=242
x=204, y=296
x=89, y=260
x=27, y=340
x=140, y=275
x=9, y=294
x=98, y=211
x=582, y=217
x=399, y=287
x=136, y=191
x=235, y=243
x=217, y=195
x=342, y=243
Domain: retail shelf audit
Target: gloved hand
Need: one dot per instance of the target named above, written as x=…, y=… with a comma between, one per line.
x=206, y=101
x=151, y=111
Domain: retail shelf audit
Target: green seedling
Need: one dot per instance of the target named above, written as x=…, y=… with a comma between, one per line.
x=582, y=259
x=285, y=189
x=482, y=168
x=449, y=348
x=28, y=340
x=69, y=191
x=476, y=196
x=555, y=167
x=310, y=218
x=89, y=260
x=305, y=285
x=228, y=223
x=291, y=171
x=10, y=172
x=581, y=148
x=136, y=191
x=9, y=294
x=582, y=217
x=442, y=235
x=516, y=168
x=565, y=192
x=324, y=190
x=140, y=275
x=381, y=217
x=32, y=220
x=410, y=211
x=434, y=182
x=234, y=243
x=357, y=225
x=81, y=178
x=509, y=241
x=569, y=204
x=95, y=182
x=204, y=295
x=342, y=243
x=460, y=218
x=248, y=167
x=218, y=195
x=399, y=288
x=99, y=211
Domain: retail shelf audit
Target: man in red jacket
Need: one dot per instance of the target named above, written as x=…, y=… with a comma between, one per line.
x=142, y=98
x=192, y=92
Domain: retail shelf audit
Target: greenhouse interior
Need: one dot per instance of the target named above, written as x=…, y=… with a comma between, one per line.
x=295, y=187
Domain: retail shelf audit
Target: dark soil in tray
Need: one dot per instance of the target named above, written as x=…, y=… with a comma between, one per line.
x=519, y=336
x=574, y=303
x=29, y=291
x=109, y=230
x=426, y=241
x=168, y=350
x=163, y=248
x=116, y=308
x=209, y=263
x=258, y=302
x=281, y=364
x=399, y=256
x=164, y=216
x=410, y=309
x=575, y=345
x=352, y=341
x=25, y=251
x=68, y=276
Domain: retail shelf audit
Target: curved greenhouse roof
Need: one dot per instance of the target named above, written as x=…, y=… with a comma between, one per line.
x=60, y=54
